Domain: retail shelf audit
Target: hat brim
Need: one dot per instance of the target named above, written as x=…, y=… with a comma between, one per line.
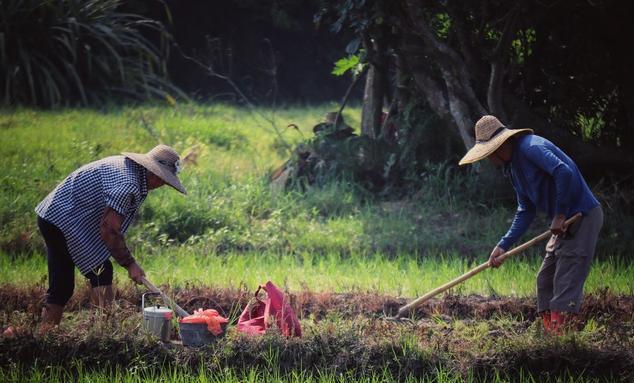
x=158, y=170
x=484, y=149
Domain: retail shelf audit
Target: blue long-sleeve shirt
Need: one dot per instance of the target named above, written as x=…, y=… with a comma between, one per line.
x=544, y=179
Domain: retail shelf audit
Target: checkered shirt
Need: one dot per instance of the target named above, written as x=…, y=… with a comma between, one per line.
x=76, y=206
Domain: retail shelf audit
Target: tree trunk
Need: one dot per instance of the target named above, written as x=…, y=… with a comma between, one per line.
x=401, y=94
x=372, y=103
x=375, y=90
x=452, y=96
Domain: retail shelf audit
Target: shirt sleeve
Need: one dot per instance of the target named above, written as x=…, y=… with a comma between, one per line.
x=549, y=162
x=523, y=218
x=121, y=197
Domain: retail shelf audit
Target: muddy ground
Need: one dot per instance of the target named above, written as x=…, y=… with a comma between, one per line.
x=318, y=305
x=471, y=336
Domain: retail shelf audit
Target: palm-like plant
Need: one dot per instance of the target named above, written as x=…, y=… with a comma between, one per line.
x=61, y=52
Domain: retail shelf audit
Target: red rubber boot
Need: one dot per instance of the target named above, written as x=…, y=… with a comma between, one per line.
x=561, y=321
x=546, y=320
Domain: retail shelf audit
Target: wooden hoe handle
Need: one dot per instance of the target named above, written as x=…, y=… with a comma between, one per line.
x=417, y=302
x=179, y=310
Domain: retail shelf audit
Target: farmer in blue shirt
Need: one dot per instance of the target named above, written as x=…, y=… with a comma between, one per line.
x=545, y=179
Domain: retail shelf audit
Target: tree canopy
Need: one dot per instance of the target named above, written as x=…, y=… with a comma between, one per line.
x=560, y=67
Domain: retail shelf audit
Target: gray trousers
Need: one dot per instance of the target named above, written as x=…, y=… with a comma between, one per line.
x=567, y=264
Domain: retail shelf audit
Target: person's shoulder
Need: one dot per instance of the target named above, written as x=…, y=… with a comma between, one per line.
x=535, y=147
x=115, y=169
x=530, y=146
x=112, y=163
x=106, y=162
x=116, y=160
x=541, y=143
x=533, y=141
x=94, y=168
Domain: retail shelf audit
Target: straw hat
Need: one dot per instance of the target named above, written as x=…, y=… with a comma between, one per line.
x=163, y=161
x=490, y=134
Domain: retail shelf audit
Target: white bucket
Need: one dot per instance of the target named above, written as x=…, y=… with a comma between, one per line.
x=157, y=320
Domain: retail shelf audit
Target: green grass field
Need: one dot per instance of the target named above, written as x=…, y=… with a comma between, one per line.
x=233, y=228
x=234, y=231
x=176, y=375
x=401, y=275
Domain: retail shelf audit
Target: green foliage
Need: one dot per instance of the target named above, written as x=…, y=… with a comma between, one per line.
x=522, y=46
x=442, y=24
x=63, y=52
x=350, y=63
x=338, y=155
x=567, y=77
x=362, y=17
x=353, y=13
x=390, y=165
x=418, y=140
x=590, y=126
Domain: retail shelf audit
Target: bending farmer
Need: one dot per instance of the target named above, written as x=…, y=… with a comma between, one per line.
x=544, y=179
x=84, y=218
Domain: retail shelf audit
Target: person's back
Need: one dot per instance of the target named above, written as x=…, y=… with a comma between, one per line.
x=546, y=180
x=76, y=206
x=68, y=198
x=535, y=164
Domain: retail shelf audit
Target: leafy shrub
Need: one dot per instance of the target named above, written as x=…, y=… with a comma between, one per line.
x=59, y=52
x=395, y=164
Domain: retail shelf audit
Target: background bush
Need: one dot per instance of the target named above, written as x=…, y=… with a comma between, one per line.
x=67, y=52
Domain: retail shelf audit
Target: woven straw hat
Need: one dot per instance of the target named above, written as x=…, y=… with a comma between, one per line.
x=163, y=161
x=490, y=134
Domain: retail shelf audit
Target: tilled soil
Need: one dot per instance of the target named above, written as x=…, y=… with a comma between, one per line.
x=471, y=336
x=318, y=305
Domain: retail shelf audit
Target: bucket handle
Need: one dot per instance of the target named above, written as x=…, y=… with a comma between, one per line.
x=257, y=292
x=143, y=298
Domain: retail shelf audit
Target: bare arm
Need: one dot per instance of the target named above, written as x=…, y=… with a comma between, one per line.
x=110, y=230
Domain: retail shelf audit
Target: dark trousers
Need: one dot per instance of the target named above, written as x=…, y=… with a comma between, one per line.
x=567, y=263
x=61, y=269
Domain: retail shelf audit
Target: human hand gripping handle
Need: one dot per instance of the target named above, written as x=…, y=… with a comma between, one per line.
x=559, y=225
x=136, y=273
x=494, y=260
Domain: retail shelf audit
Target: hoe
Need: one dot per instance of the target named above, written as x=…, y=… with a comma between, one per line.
x=403, y=311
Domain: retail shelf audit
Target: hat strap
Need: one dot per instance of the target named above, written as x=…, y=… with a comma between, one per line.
x=493, y=135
